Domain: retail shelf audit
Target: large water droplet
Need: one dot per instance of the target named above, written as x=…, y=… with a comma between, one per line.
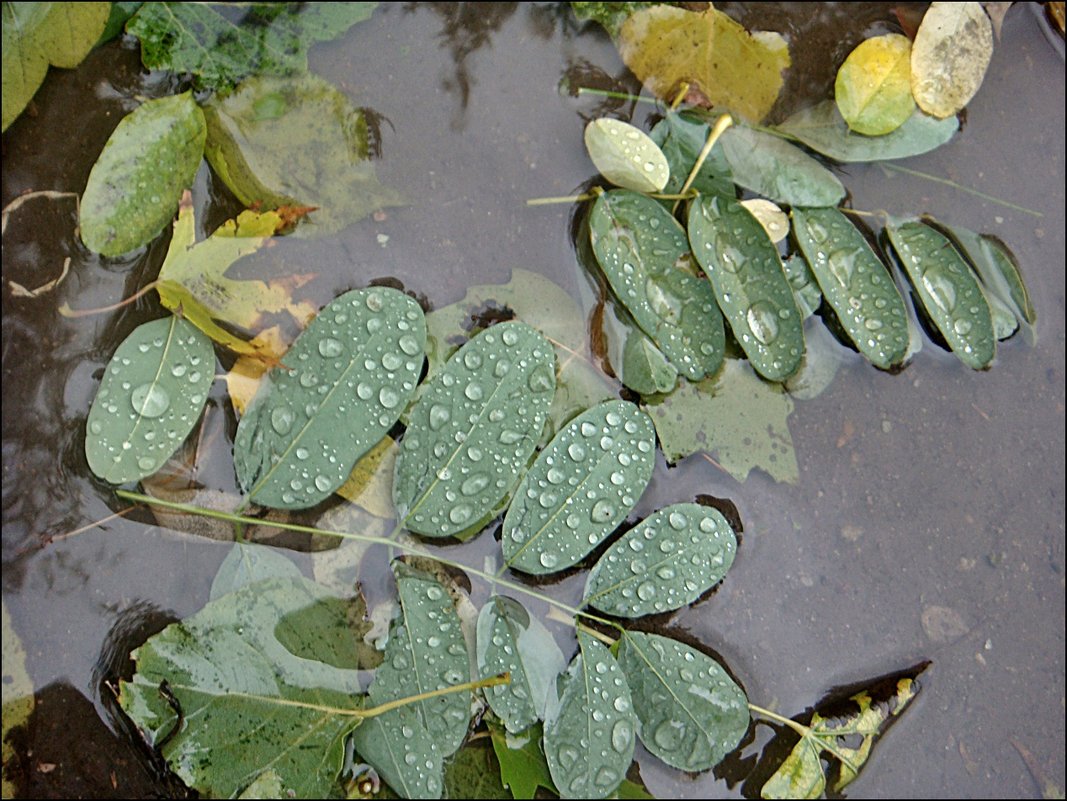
x=842, y=263
x=330, y=347
x=408, y=344
x=666, y=305
x=322, y=484
x=763, y=322
x=474, y=484
x=541, y=379
x=388, y=397
x=150, y=400
x=602, y=511
x=281, y=419
x=460, y=513
x=670, y=734
x=940, y=288
x=439, y=415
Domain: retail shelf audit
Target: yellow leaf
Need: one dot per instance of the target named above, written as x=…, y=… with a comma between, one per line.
x=666, y=46
x=873, y=87
x=370, y=485
x=952, y=50
x=193, y=280
x=242, y=380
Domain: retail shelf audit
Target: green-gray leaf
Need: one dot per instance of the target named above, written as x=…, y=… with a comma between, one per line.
x=626, y=156
x=137, y=182
x=750, y=284
x=509, y=640
x=855, y=283
x=645, y=369
x=345, y=381
x=580, y=488
x=249, y=703
x=681, y=137
x=806, y=290
x=589, y=728
x=948, y=290
x=643, y=252
x=268, y=39
x=398, y=746
x=690, y=713
x=681, y=551
x=151, y=396
x=247, y=563
x=474, y=429
x=778, y=170
x=296, y=141
x=426, y=652
x=822, y=128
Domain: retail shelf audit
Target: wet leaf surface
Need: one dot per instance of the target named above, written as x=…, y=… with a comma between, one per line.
x=948, y=290
x=510, y=641
x=296, y=141
x=952, y=50
x=626, y=156
x=39, y=34
x=206, y=40
x=690, y=713
x=473, y=430
x=581, y=487
x=750, y=284
x=153, y=391
x=873, y=86
x=643, y=252
x=137, y=181
x=402, y=751
x=668, y=560
x=681, y=137
x=666, y=46
x=589, y=729
x=342, y=386
x=777, y=169
x=855, y=283
x=737, y=417
x=243, y=694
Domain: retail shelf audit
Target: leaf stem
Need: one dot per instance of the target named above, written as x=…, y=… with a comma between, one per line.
x=724, y=122
x=584, y=90
x=547, y=201
x=389, y=706
x=823, y=739
x=962, y=188
x=67, y=311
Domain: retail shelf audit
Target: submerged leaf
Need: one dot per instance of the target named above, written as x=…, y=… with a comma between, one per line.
x=822, y=128
x=737, y=417
x=873, y=86
x=581, y=487
x=370, y=483
x=136, y=183
x=249, y=703
x=666, y=46
x=39, y=34
x=645, y=369
x=296, y=141
x=345, y=382
x=948, y=290
x=952, y=50
x=151, y=396
x=750, y=285
x=219, y=50
x=589, y=729
x=510, y=641
x=246, y=564
x=802, y=775
x=193, y=280
x=855, y=283
x=473, y=430
x=610, y=15
x=778, y=170
x=690, y=713
x=626, y=156
x=681, y=552
x=806, y=290
x=643, y=252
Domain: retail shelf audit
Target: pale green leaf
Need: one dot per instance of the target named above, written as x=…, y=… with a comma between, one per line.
x=473, y=430
x=666, y=46
x=778, y=170
x=343, y=385
x=750, y=284
x=644, y=253
x=855, y=283
x=645, y=369
x=952, y=50
x=247, y=563
x=589, y=728
x=220, y=44
x=249, y=703
x=137, y=182
x=626, y=156
x=948, y=290
x=735, y=416
x=873, y=86
x=668, y=560
x=151, y=396
x=38, y=34
x=580, y=488
x=403, y=753
x=296, y=141
x=510, y=641
x=426, y=652
x=690, y=713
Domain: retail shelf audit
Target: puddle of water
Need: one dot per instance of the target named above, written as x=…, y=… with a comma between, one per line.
x=928, y=519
